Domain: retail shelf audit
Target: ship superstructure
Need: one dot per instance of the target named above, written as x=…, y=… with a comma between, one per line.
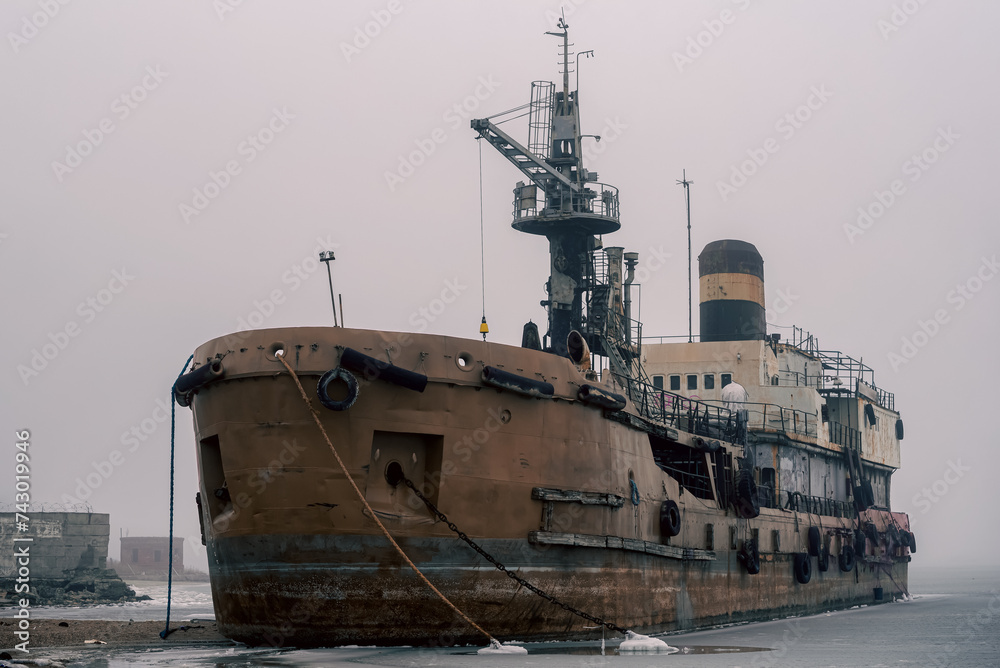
x=642, y=493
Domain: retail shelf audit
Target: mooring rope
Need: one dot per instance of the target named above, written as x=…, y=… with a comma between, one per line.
x=170, y=560
x=347, y=474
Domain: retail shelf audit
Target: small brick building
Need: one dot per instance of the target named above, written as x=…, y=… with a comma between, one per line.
x=61, y=542
x=149, y=555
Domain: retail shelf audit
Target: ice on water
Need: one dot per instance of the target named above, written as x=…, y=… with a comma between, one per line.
x=496, y=647
x=638, y=643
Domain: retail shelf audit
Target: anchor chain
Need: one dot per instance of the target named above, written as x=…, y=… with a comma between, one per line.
x=503, y=569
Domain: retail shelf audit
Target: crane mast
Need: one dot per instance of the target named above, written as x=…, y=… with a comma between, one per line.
x=563, y=201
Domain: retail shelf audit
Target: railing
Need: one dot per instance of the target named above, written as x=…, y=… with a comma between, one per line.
x=765, y=496
x=772, y=417
x=818, y=505
x=673, y=410
x=841, y=434
x=887, y=399
x=663, y=339
x=599, y=199
x=798, y=379
x=697, y=483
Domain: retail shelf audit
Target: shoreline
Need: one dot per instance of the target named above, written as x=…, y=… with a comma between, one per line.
x=46, y=634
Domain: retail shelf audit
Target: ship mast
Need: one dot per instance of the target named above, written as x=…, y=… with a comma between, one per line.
x=562, y=201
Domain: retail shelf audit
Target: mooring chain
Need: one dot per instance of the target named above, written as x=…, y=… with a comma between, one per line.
x=511, y=574
x=371, y=513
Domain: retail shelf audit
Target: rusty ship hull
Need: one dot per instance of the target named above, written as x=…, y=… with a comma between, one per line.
x=294, y=560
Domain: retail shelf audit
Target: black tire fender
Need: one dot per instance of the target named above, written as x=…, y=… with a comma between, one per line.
x=813, y=541
x=860, y=504
x=846, y=558
x=747, y=503
x=860, y=543
x=670, y=518
x=870, y=415
x=802, y=567
x=866, y=484
x=185, y=386
x=323, y=387
x=749, y=556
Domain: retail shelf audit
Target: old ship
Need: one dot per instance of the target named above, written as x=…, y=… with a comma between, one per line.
x=653, y=486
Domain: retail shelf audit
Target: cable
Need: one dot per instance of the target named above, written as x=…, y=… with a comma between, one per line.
x=483, y=327
x=512, y=118
x=170, y=561
x=509, y=111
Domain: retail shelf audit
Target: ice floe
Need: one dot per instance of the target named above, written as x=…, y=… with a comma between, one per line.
x=496, y=647
x=637, y=643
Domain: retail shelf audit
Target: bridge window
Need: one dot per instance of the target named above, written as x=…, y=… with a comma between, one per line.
x=709, y=381
x=693, y=381
x=726, y=379
x=658, y=382
x=675, y=383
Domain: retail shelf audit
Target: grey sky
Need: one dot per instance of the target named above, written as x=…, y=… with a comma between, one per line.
x=300, y=116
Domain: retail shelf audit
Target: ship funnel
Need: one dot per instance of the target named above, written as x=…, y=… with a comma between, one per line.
x=731, y=286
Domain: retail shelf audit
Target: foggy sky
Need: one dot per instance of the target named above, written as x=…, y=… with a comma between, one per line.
x=171, y=170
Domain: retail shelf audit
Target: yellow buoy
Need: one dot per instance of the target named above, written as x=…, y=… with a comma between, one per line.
x=484, y=329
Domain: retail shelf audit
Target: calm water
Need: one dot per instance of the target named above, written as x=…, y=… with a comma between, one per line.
x=953, y=620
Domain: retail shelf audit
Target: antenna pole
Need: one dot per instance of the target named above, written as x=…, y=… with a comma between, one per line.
x=565, y=36
x=326, y=257
x=687, y=197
